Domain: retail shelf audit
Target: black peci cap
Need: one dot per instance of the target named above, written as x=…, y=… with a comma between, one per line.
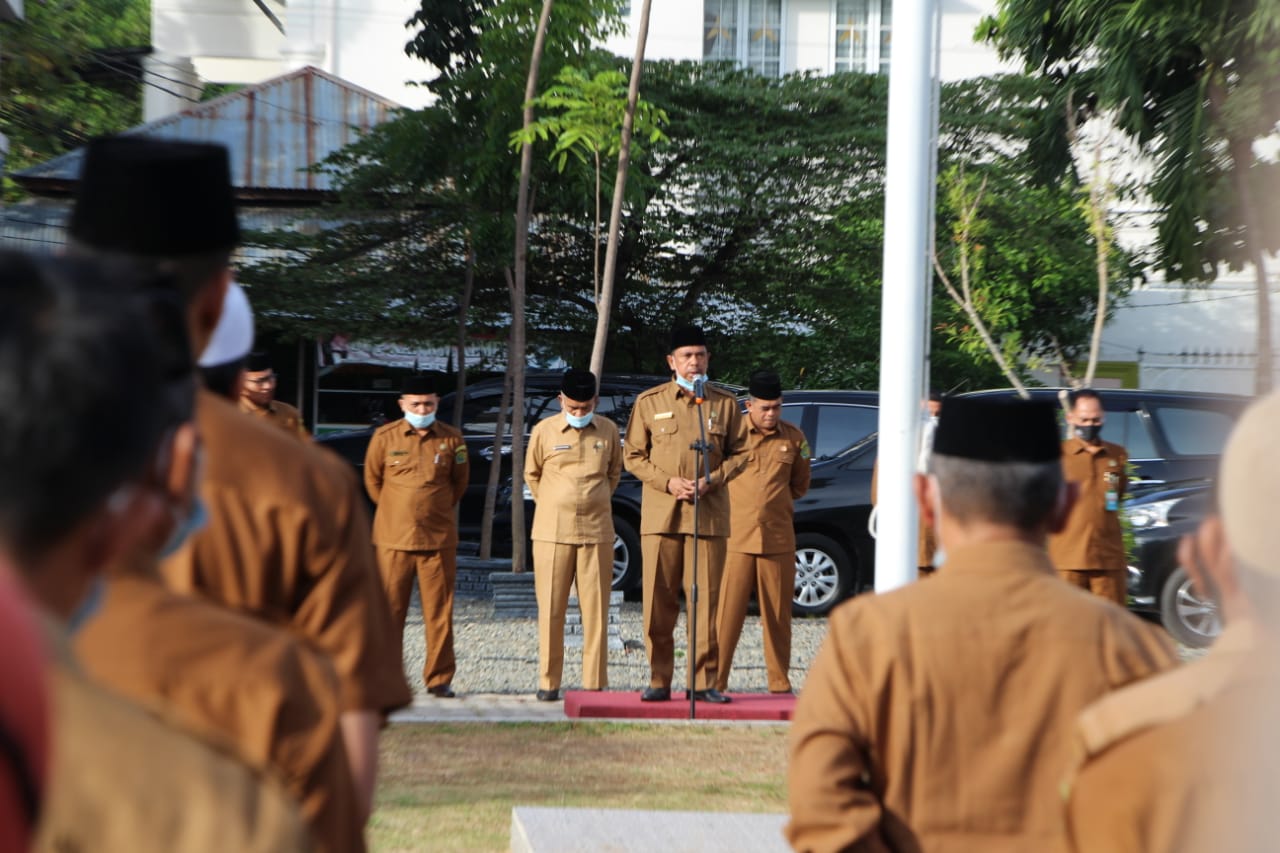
x=421, y=383
x=998, y=430
x=578, y=385
x=155, y=198
x=765, y=385
x=687, y=336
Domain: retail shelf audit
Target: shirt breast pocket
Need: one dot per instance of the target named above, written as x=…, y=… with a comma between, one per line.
x=401, y=466
x=665, y=430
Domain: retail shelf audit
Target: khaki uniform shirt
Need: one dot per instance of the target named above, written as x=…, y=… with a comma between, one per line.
x=1092, y=538
x=122, y=779
x=282, y=415
x=761, y=497
x=1186, y=761
x=572, y=474
x=938, y=716
x=224, y=675
x=288, y=541
x=416, y=481
x=664, y=423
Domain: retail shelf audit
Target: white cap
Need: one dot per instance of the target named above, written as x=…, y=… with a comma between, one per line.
x=233, y=338
x=1249, y=486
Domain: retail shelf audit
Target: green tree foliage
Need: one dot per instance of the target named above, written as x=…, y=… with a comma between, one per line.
x=388, y=260
x=761, y=218
x=583, y=115
x=60, y=84
x=1191, y=81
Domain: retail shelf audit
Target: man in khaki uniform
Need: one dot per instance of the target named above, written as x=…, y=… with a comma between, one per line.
x=762, y=540
x=938, y=716
x=1190, y=761
x=258, y=397
x=120, y=778
x=1089, y=551
x=664, y=426
x=287, y=538
x=416, y=471
x=572, y=467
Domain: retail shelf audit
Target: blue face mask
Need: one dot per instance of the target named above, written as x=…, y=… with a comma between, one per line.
x=579, y=421
x=192, y=524
x=686, y=384
x=420, y=421
x=89, y=605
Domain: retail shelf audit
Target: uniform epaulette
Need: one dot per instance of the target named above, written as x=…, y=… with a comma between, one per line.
x=654, y=390
x=388, y=426
x=723, y=391
x=448, y=430
x=1151, y=702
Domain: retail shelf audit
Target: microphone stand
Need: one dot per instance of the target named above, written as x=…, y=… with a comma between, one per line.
x=702, y=464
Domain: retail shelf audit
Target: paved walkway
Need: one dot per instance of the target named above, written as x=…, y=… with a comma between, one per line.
x=481, y=708
x=516, y=708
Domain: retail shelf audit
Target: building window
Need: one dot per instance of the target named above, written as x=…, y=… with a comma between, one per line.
x=863, y=30
x=748, y=32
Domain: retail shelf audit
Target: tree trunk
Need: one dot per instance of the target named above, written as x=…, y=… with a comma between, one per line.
x=1099, y=197
x=468, y=285
x=516, y=352
x=495, y=468
x=604, y=308
x=1241, y=153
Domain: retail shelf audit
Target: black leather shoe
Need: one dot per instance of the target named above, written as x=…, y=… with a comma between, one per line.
x=655, y=694
x=548, y=695
x=441, y=691
x=715, y=697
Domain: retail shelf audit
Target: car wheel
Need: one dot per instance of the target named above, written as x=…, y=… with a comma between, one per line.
x=823, y=574
x=626, y=555
x=1192, y=620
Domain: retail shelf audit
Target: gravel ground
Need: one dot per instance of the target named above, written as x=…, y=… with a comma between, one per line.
x=501, y=655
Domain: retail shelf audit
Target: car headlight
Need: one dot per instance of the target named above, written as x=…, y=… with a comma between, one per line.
x=528, y=495
x=1148, y=516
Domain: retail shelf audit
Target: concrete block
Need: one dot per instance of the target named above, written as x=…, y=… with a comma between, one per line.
x=564, y=830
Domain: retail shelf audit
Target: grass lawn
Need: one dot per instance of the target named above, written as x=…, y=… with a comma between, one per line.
x=451, y=786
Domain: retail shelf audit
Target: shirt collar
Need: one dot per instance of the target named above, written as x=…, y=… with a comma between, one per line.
x=409, y=430
x=990, y=557
x=565, y=425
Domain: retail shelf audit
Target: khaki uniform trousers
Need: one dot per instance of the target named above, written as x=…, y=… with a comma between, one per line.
x=773, y=578
x=437, y=573
x=668, y=567
x=555, y=566
x=1111, y=584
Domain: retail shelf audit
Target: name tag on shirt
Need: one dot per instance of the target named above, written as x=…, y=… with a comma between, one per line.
x=563, y=447
x=662, y=416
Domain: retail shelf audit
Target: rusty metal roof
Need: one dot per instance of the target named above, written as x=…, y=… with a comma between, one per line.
x=274, y=130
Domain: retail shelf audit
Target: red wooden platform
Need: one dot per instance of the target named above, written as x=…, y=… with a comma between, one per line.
x=611, y=704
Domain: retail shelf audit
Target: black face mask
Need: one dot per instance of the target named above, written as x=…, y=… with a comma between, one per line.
x=1089, y=433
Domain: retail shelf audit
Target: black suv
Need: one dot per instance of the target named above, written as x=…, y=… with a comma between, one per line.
x=480, y=406
x=1158, y=584
x=833, y=548
x=1171, y=436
